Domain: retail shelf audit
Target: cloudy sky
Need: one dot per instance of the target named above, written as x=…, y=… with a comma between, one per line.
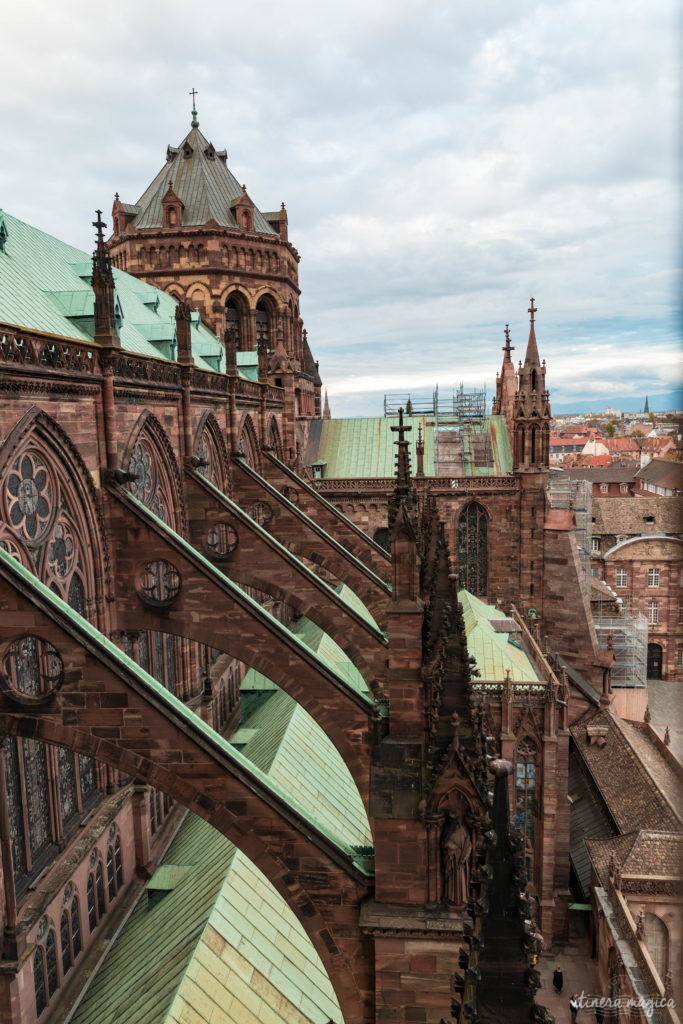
x=440, y=162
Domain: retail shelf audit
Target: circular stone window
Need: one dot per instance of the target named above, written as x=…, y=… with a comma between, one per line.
x=261, y=513
x=291, y=494
x=159, y=583
x=221, y=540
x=31, y=669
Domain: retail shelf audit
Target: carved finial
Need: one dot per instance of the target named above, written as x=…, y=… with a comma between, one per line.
x=403, y=457
x=116, y=196
x=617, y=876
x=532, y=309
x=667, y=736
x=283, y=207
x=612, y=865
x=194, y=122
x=507, y=347
x=244, y=188
x=669, y=985
x=647, y=717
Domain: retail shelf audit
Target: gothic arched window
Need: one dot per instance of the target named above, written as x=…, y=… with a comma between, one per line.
x=657, y=941
x=473, y=555
x=262, y=327
x=39, y=980
x=525, y=797
x=233, y=322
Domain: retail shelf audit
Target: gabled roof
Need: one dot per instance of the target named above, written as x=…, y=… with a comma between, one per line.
x=202, y=181
x=494, y=649
x=663, y=473
x=630, y=517
x=643, y=854
x=45, y=286
x=636, y=784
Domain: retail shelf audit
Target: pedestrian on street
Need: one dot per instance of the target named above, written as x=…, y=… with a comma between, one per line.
x=557, y=979
x=573, y=1007
x=599, y=1014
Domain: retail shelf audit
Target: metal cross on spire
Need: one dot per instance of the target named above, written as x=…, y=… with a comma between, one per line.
x=532, y=309
x=195, y=122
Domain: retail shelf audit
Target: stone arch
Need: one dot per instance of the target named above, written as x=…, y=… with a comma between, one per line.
x=158, y=484
x=186, y=759
x=266, y=320
x=176, y=292
x=209, y=445
x=473, y=548
x=68, y=549
x=237, y=316
x=274, y=440
x=199, y=296
x=248, y=443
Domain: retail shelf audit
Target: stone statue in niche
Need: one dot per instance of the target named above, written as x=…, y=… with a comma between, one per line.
x=456, y=847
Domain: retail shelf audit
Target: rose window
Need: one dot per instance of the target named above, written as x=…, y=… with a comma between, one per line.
x=159, y=583
x=221, y=540
x=29, y=496
x=32, y=667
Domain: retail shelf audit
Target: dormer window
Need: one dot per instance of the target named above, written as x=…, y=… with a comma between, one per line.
x=187, y=150
x=210, y=152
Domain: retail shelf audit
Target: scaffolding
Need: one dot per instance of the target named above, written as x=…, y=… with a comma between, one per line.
x=458, y=405
x=577, y=495
x=629, y=641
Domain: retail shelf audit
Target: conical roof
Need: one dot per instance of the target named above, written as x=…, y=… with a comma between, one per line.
x=201, y=178
x=532, y=348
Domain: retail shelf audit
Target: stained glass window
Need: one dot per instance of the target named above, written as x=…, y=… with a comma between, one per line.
x=65, y=942
x=86, y=767
x=143, y=650
x=92, y=906
x=75, y=927
x=170, y=662
x=37, y=807
x=118, y=864
x=16, y=823
x=99, y=885
x=51, y=964
x=111, y=880
x=525, y=786
x=39, y=980
x=67, y=783
x=76, y=599
x=473, y=549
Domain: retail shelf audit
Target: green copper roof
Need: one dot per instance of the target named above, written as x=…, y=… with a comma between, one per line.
x=289, y=745
x=366, y=447
x=202, y=181
x=493, y=652
x=45, y=286
x=331, y=653
x=119, y=661
x=217, y=945
x=353, y=600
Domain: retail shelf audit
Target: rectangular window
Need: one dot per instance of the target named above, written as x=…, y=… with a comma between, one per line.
x=679, y=660
x=653, y=612
x=653, y=577
x=624, y=488
x=603, y=488
x=622, y=577
x=595, y=545
x=594, y=572
x=680, y=615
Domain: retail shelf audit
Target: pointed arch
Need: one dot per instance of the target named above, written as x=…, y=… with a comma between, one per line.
x=473, y=548
x=274, y=439
x=237, y=316
x=158, y=485
x=53, y=513
x=248, y=443
x=210, y=446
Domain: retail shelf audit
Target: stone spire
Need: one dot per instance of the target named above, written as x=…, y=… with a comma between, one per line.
x=103, y=287
x=327, y=415
x=506, y=384
x=531, y=414
x=404, y=496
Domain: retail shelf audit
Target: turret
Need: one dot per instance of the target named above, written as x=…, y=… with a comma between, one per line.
x=531, y=420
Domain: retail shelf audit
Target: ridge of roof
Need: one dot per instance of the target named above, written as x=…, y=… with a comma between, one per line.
x=204, y=184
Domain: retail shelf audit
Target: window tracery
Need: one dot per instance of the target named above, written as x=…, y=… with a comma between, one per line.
x=525, y=797
x=473, y=549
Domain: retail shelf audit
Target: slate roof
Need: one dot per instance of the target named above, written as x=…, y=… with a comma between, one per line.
x=221, y=946
x=645, y=854
x=615, y=473
x=663, y=473
x=588, y=820
x=204, y=184
x=638, y=795
x=493, y=650
x=365, y=447
x=626, y=517
x=45, y=286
